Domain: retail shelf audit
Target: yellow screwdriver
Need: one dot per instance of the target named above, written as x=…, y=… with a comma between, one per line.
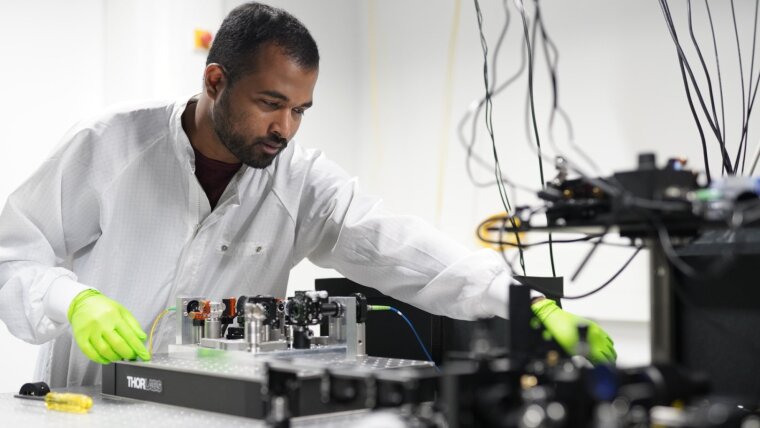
x=63, y=401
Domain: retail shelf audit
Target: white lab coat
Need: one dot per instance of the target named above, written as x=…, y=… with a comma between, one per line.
x=117, y=207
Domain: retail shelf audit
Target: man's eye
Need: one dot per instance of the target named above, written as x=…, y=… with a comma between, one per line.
x=299, y=111
x=271, y=104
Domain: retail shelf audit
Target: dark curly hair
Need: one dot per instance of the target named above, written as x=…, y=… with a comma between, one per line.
x=249, y=27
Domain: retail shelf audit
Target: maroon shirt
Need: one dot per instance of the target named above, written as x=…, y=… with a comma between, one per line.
x=214, y=176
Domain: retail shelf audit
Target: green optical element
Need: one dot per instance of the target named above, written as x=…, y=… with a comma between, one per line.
x=707, y=194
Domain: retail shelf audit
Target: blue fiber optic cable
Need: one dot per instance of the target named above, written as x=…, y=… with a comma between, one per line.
x=401, y=314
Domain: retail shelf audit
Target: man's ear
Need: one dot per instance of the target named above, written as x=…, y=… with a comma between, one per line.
x=214, y=80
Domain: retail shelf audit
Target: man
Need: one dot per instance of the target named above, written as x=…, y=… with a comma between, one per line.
x=210, y=196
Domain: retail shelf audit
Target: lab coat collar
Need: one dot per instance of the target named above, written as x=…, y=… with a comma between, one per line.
x=180, y=140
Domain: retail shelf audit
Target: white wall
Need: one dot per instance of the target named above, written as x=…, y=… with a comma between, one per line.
x=380, y=106
x=149, y=50
x=52, y=74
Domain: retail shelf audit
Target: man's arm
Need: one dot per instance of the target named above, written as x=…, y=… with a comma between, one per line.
x=52, y=215
x=50, y=218
x=402, y=256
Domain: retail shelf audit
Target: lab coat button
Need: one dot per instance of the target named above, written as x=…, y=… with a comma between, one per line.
x=224, y=247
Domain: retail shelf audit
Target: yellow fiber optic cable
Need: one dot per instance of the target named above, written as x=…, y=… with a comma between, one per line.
x=155, y=323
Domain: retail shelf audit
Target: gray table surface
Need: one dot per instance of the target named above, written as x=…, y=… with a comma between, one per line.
x=117, y=412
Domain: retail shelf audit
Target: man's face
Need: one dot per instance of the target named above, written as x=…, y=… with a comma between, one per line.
x=259, y=114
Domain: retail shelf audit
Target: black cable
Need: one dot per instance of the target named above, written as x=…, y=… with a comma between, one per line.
x=548, y=47
x=717, y=66
x=751, y=72
x=751, y=105
x=754, y=93
x=684, y=62
x=555, y=100
x=741, y=79
x=616, y=190
x=552, y=63
x=501, y=242
x=590, y=253
x=501, y=247
x=533, y=110
x=494, y=67
x=704, y=65
x=582, y=240
x=528, y=123
x=710, y=89
x=530, y=85
x=682, y=55
x=597, y=289
x=469, y=146
x=682, y=58
x=590, y=239
x=696, y=120
x=499, y=42
x=671, y=28
x=516, y=231
x=714, y=269
x=670, y=253
x=609, y=281
x=726, y=259
x=489, y=126
x=509, y=262
x=536, y=244
x=619, y=191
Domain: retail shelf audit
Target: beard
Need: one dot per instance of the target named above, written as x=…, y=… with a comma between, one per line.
x=247, y=152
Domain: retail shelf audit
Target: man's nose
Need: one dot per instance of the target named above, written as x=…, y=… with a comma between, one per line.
x=282, y=125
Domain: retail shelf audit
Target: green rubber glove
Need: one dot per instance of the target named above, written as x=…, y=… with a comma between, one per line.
x=104, y=330
x=563, y=327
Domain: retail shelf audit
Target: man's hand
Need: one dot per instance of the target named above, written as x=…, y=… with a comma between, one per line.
x=563, y=327
x=104, y=330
